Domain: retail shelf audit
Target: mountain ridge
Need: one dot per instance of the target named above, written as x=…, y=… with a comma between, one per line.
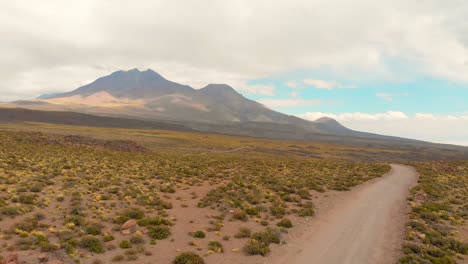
x=147, y=95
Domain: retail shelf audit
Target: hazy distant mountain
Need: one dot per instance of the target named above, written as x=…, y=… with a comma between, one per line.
x=215, y=108
x=146, y=94
x=132, y=84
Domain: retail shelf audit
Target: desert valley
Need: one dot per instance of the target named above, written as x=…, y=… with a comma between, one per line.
x=233, y=132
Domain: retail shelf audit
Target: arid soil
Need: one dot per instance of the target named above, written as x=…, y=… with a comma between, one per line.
x=365, y=225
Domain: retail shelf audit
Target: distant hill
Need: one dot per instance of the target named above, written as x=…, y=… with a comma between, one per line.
x=422, y=150
x=15, y=115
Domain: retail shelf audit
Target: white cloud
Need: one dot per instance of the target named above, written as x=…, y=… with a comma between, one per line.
x=357, y=116
x=260, y=89
x=58, y=44
x=423, y=126
x=292, y=84
x=327, y=85
x=390, y=96
x=294, y=95
x=278, y=103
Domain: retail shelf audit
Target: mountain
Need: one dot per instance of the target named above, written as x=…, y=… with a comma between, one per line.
x=146, y=95
x=132, y=84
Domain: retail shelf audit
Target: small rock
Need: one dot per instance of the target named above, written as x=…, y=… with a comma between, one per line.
x=126, y=232
x=43, y=257
x=130, y=224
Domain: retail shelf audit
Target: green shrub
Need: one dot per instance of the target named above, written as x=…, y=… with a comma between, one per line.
x=137, y=239
x=125, y=244
x=10, y=210
x=154, y=221
x=93, y=229
x=268, y=236
x=108, y=237
x=285, y=222
x=254, y=247
x=189, y=258
x=277, y=211
x=92, y=244
x=159, y=232
x=252, y=211
x=239, y=214
x=28, y=224
x=118, y=258
x=215, y=246
x=75, y=219
x=198, y=234
x=243, y=233
x=36, y=188
x=130, y=213
x=304, y=212
x=27, y=198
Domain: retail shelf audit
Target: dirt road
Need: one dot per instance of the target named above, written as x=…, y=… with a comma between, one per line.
x=366, y=226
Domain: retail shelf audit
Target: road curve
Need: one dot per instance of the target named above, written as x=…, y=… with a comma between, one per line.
x=366, y=228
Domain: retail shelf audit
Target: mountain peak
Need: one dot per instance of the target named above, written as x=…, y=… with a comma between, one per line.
x=218, y=88
x=134, y=84
x=325, y=119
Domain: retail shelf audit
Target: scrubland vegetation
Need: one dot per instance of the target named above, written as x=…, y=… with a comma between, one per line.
x=115, y=199
x=437, y=231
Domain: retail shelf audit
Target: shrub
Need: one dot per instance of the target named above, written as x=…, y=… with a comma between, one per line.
x=268, y=236
x=125, y=244
x=198, y=234
x=118, y=258
x=254, y=247
x=243, y=233
x=28, y=224
x=285, y=222
x=189, y=258
x=93, y=229
x=10, y=210
x=154, y=221
x=303, y=212
x=137, y=239
x=75, y=219
x=130, y=213
x=108, y=237
x=167, y=189
x=252, y=211
x=27, y=198
x=215, y=246
x=159, y=232
x=239, y=214
x=92, y=244
x=277, y=211
x=36, y=188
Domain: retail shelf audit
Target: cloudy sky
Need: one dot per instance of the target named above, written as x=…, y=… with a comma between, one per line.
x=394, y=67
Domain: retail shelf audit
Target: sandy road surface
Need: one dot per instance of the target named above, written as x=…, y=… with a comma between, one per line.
x=365, y=228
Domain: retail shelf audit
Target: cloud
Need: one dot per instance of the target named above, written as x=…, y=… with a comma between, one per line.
x=423, y=126
x=390, y=96
x=357, y=116
x=292, y=84
x=259, y=89
x=278, y=103
x=55, y=45
x=327, y=85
